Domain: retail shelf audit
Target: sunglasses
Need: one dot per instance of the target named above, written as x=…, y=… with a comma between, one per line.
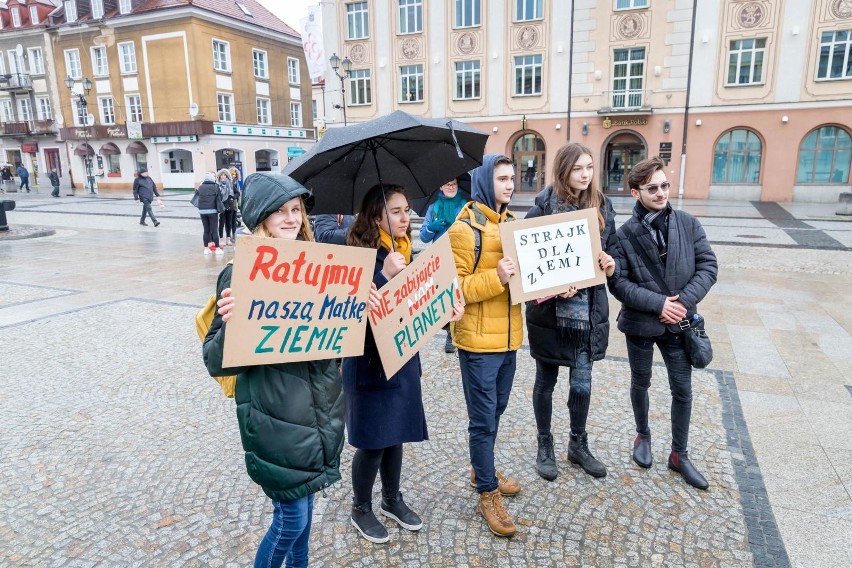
x=652, y=189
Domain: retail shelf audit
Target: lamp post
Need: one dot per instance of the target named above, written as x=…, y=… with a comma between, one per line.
x=346, y=64
x=84, y=104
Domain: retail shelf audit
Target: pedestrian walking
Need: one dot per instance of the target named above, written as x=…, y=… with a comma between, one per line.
x=571, y=329
x=658, y=245
x=24, y=174
x=6, y=178
x=382, y=413
x=144, y=190
x=53, y=176
x=490, y=332
x=228, y=216
x=290, y=414
x=208, y=200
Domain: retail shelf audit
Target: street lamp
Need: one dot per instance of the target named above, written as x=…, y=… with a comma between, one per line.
x=347, y=67
x=84, y=104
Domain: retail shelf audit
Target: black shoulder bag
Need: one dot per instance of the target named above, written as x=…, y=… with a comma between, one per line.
x=699, y=351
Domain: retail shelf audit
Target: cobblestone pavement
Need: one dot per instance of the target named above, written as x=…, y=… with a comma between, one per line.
x=118, y=450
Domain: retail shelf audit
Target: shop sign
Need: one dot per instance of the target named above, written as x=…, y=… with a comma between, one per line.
x=169, y=139
x=29, y=148
x=134, y=130
x=294, y=151
x=240, y=130
x=609, y=122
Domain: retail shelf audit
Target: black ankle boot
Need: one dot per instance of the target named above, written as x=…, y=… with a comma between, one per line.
x=642, y=450
x=448, y=346
x=578, y=453
x=367, y=524
x=679, y=462
x=545, y=463
x=396, y=509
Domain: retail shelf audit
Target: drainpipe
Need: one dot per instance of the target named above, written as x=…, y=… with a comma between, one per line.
x=570, y=73
x=686, y=106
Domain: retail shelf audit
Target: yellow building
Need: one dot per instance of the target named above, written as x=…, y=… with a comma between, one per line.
x=181, y=88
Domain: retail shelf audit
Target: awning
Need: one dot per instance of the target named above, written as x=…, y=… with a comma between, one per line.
x=136, y=147
x=109, y=149
x=83, y=149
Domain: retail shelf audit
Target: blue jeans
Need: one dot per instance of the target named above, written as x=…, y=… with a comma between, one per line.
x=640, y=351
x=288, y=536
x=487, y=382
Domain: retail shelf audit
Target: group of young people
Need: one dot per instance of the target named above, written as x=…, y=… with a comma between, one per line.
x=292, y=415
x=217, y=200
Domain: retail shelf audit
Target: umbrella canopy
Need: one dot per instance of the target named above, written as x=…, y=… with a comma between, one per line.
x=419, y=154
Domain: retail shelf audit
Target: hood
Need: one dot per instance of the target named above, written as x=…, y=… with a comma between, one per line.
x=482, y=182
x=264, y=193
x=221, y=172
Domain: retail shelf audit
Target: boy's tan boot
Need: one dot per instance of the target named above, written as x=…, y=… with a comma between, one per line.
x=508, y=487
x=492, y=508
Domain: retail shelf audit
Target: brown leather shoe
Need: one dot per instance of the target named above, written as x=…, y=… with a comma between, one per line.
x=508, y=487
x=492, y=508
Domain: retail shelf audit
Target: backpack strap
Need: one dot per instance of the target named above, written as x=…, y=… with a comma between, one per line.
x=652, y=268
x=477, y=240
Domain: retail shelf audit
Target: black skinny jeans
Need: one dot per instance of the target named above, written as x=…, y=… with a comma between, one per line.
x=386, y=462
x=227, y=223
x=210, y=233
x=579, y=392
x=640, y=351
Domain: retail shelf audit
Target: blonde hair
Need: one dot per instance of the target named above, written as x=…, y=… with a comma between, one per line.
x=305, y=231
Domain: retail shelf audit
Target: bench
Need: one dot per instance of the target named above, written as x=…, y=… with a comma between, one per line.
x=5, y=205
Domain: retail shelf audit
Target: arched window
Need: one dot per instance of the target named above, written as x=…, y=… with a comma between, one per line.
x=736, y=158
x=825, y=156
x=528, y=154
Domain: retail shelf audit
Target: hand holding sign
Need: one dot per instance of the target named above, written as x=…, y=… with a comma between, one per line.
x=506, y=269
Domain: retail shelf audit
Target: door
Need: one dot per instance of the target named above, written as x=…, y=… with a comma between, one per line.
x=619, y=160
x=527, y=170
x=51, y=156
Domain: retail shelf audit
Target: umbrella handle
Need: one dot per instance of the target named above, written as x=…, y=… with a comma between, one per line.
x=455, y=140
x=384, y=197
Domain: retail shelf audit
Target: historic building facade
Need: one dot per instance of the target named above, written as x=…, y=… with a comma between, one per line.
x=745, y=99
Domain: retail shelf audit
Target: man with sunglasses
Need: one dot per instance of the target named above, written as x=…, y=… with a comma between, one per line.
x=664, y=266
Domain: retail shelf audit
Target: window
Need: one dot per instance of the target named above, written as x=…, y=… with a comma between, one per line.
x=106, y=106
x=100, y=68
x=261, y=71
x=528, y=75
x=25, y=110
x=125, y=6
x=226, y=106
x=97, y=9
x=467, y=80
x=411, y=90
x=468, y=13
x=36, y=57
x=295, y=114
x=44, y=110
x=745, y=61
x=825, y=156
x=293, y=71
x=113, y=164
x=314, y=112
x=134, y=108
x=6, y=108
x=628, y=78
x=72, y=63
x=70, y=11
x=81, y=116
x=360, y=87
x=34, y=15
x=16, y=17
x=357, y=20
x=410, y=16
x=835, y=55
x=737, y=158
x=263, y=111
x=221, y=56
x=2, y=64
x=528, y=10
x=244, y=9
x=127, y=57
x=628, y=4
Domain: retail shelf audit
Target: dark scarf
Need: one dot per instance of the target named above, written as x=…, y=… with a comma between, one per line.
x=657, y=223
x=572, y=314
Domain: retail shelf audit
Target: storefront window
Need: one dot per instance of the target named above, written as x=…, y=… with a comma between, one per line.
x=825, y=156
x=737, y=158
x=141, y=161
x=114, y=164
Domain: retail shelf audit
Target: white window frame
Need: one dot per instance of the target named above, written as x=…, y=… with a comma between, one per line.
x=630, y=4
x=34, y=19
x=2, y=63
x=465, y=71
x=25, y=109
x=527, y=64
x=360, y=87
x=82, y=112
x=295, y=114
x=99, y=68
x=221, y=66
x=123, y=58
x=43, y=108
x=409, y=74
x=752, y=54
x=263, y=107
x=834, y=47
x=410, y=16
x=134, y=107
x=16, y=16
x=260, y=63
x=97, y=9
x=72, y=65
x=106, y=110
x=467, y=10
x=125, y=6
x=629, y=96
x=293, y=75
x=225, y=106
x=7, y=111
x=36, y=60
x=357, y=20
x=314, y=110
x=523, y=7
x=70, y=8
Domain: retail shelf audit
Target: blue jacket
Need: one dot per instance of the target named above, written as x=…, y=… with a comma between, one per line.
x=432, y=228
x=23, y=173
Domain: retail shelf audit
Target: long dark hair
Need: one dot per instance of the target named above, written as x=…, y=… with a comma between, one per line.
x=364, y=232
x=565, y=159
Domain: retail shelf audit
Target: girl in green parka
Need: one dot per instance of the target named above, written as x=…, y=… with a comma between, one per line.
x=290, y=414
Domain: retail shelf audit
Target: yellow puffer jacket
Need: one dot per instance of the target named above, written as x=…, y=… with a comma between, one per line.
x=491, y=324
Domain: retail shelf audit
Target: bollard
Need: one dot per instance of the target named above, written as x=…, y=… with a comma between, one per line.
x=844, y=204
x=5, y=205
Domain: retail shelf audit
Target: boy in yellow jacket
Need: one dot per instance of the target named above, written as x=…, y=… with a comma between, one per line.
x=491, y=330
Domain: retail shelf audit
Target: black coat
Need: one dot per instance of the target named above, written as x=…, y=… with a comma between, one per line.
x=379, y=412
x=208, y=196
x=690, y=271
x=144, y=189
x=547, y=343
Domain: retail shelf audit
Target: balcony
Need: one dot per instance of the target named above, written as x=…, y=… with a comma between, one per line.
x=15, y=128
x=15, y=82
x=633, y=101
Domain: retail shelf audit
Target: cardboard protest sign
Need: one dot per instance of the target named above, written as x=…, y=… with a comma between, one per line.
x=553, y=253
x=297, y=301
x=416, y=304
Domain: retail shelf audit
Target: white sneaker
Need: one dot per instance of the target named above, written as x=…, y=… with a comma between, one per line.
x=207, y=251
x=219, y=251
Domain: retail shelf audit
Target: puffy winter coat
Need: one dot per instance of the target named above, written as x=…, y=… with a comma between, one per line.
x=690, y=271
x=546, y=342
x=208, y=196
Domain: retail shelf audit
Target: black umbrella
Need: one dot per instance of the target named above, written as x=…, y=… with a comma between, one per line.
x=419, y=154
x=421, y=204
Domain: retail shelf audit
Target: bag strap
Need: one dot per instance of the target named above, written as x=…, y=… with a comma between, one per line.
x=477, y=243
x=652, y=268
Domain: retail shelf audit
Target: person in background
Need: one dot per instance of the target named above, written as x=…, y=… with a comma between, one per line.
x=228, y=216
x=571, y=329
x=144, y=190
x=439, y=216
x=290, y=414
x=53, y=176
x=24, y=174
x=332, y=229
x=209, y=200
